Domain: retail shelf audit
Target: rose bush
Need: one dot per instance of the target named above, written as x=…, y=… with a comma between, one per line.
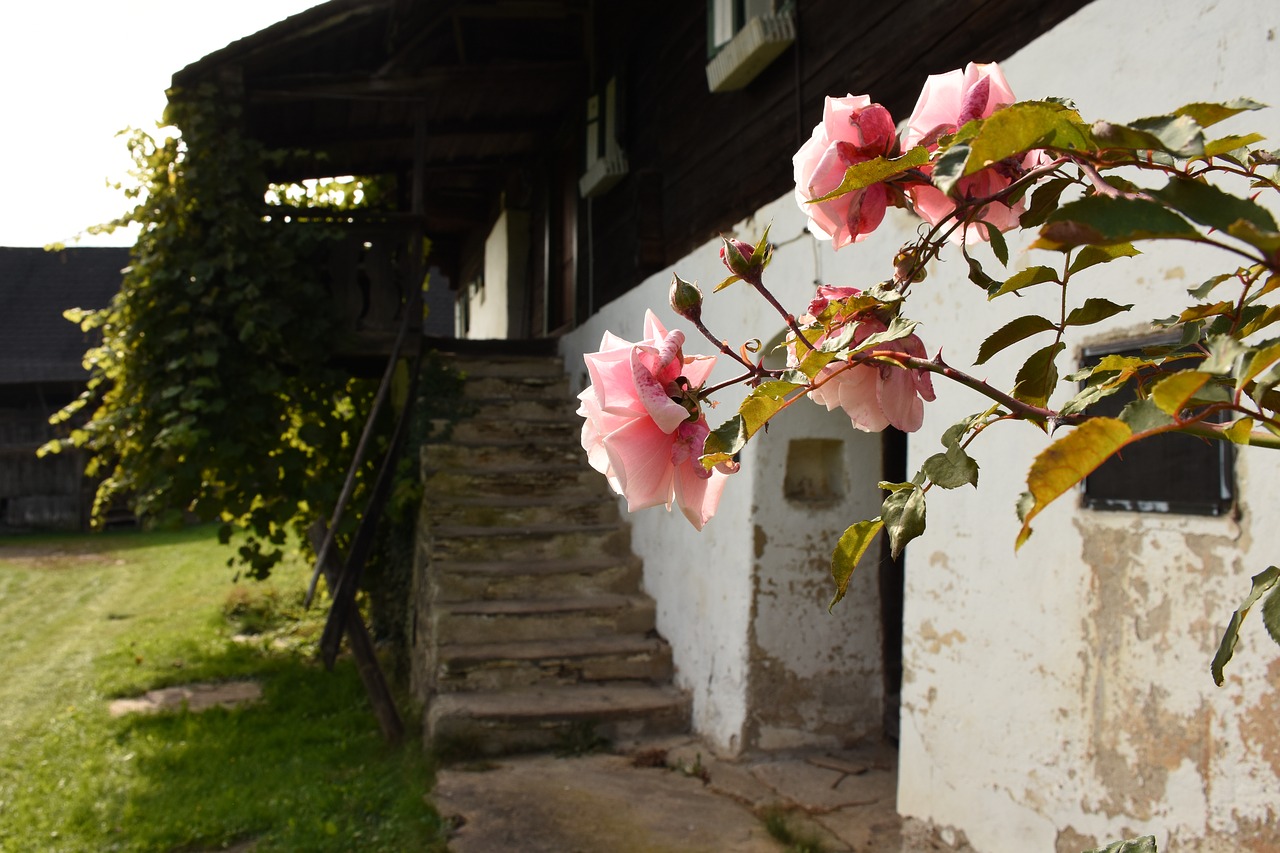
x=853, y=130
x=644, y=428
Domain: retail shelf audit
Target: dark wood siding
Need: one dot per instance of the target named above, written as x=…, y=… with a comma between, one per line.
x=699, y=162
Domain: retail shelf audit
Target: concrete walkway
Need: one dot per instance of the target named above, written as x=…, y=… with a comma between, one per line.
x=673, y=796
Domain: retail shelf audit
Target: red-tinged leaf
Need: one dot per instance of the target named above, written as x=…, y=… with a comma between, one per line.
x=849, y=551
x=1067, y=461
x=1262, y=583
x=1011, y=333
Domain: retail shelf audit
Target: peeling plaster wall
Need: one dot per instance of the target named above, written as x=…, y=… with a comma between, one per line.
x=1061, y=696
x=744, y=602
x=816, y=677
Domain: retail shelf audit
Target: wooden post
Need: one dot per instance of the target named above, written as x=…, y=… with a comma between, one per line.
x=366, y=658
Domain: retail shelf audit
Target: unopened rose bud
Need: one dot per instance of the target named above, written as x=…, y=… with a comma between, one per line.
x=686, y=299
x=907, y=266
x=736, y=255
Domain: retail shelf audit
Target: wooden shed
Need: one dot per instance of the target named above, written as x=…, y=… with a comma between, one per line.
x=41, y=370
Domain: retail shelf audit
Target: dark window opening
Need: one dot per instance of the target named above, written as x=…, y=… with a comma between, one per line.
x=1171, y=473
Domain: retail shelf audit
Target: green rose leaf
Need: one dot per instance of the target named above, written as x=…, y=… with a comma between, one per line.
x=1021, y=127
x=1011, y=333
x=1107, y=221
x=1215, y=208
x=1263, y=582
x=1043, y=202
x=1023, y=279
x=1271, y=614
x=1067, y=461
x=849, y=551
x=952, y=469
x=1093, y=255
x=903, y=514
x=1143, y=416
x=1095, y=311
x=764, y=401
x=1038, y=376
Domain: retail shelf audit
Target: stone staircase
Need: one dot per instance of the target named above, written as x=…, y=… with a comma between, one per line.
x=532, y=629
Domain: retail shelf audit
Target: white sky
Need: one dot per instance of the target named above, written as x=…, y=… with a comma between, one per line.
x=75, y=72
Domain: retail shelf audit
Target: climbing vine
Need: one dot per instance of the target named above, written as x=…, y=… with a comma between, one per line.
x=211, y=396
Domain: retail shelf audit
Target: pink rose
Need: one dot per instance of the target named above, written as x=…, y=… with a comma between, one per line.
x=644, y=429
x=946, y=104
x=874, y=396
x=853, y=130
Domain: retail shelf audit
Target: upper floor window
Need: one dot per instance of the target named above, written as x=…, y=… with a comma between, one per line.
x=743, y=37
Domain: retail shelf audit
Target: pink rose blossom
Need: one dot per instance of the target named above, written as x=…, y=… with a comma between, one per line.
x=853, y=130
x=874, y=396
x=644, y=430
x=947, y=102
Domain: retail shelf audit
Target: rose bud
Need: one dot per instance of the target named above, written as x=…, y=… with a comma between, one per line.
x=686, y=299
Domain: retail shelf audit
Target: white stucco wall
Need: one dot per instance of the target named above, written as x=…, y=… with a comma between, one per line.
x=1062, y=696
x=506, y=257
x=742, y=594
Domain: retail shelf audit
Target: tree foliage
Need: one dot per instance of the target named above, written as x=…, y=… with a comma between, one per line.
x=210, y=394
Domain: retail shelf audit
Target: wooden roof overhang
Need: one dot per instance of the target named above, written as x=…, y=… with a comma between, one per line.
x=451, y=94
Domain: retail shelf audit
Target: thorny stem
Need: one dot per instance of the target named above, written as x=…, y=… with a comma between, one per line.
x=723, y=347
x=789, y=318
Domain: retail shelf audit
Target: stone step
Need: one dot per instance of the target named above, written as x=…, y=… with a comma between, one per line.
x=536, y=410
x=535, y=579
x=470, y=457
x=576, y=480
x=496, y=723
x=506, y=366
x=539, y=542
x=505, y=666
x=521, y=510
x=524, y=620
x=565, y=427
x=490, y=388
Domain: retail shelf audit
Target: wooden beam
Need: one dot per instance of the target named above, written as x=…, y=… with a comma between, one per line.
x=421, y=83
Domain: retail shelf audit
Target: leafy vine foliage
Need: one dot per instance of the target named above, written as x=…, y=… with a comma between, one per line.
x=211, y=395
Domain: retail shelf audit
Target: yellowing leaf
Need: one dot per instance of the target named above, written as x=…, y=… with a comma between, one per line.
x=1068, y=461
x=1239, y=431
x=1172, y=393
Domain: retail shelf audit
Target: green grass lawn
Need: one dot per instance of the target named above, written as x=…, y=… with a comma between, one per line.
x=85, y=619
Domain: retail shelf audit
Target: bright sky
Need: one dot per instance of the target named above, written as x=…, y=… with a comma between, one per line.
x=75, y=72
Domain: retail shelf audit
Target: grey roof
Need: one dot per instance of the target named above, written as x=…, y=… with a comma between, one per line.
x=37, y=344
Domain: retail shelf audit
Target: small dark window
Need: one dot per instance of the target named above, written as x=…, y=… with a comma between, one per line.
x=1168, y=473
